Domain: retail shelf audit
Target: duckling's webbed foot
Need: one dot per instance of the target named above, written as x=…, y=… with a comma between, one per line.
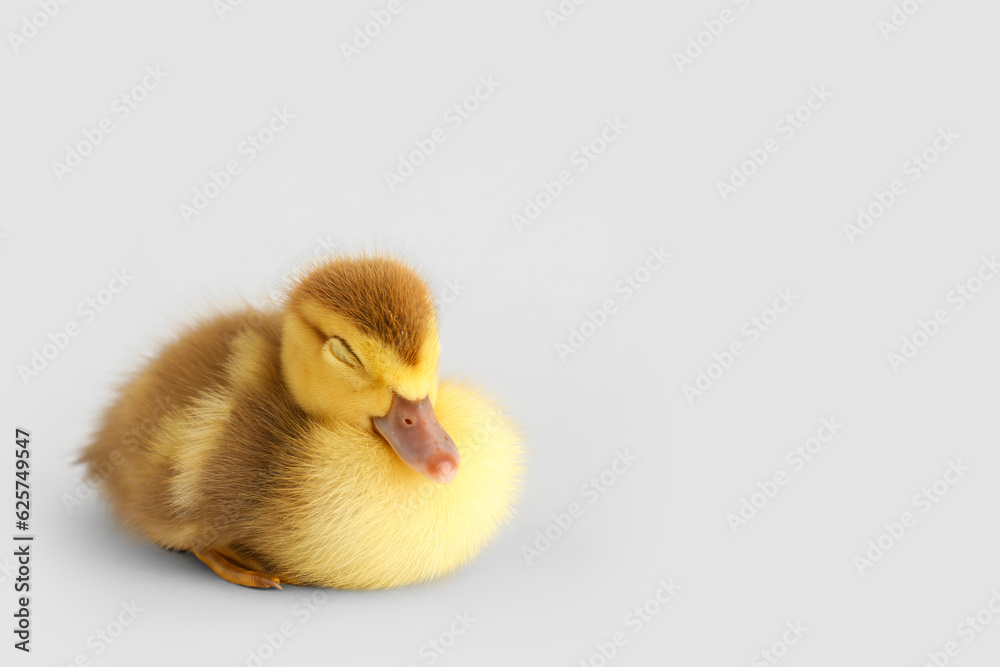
x=235, y=574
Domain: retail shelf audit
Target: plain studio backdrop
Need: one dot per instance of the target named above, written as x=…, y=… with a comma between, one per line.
x=730, y=265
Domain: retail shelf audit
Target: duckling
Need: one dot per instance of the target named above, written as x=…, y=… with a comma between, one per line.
x=312, y=443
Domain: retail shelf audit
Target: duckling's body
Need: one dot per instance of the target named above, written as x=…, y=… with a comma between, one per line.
x=215, y=449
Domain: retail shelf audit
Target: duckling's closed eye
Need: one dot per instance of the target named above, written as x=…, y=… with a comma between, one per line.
x=342, y=351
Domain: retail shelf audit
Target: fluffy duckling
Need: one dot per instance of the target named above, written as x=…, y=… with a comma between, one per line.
x=312, y=445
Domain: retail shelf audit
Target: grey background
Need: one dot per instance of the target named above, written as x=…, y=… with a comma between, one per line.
x=321, y=184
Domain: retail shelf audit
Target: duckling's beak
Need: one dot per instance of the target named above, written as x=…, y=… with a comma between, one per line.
x=413, y=431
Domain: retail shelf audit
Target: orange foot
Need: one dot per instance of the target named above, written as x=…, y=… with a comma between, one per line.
x=235, y=574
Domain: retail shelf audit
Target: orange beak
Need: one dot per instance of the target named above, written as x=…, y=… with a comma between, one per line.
x=412, y=430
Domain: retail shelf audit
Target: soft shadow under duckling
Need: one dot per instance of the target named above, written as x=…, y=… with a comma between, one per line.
x=313, y=445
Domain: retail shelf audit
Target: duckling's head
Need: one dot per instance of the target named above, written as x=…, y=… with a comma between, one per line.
x=360, y=345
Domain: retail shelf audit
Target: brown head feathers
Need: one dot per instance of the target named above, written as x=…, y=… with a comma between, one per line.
x=381, y=294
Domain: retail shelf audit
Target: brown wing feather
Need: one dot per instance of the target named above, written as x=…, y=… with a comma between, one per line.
x=250, y=443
